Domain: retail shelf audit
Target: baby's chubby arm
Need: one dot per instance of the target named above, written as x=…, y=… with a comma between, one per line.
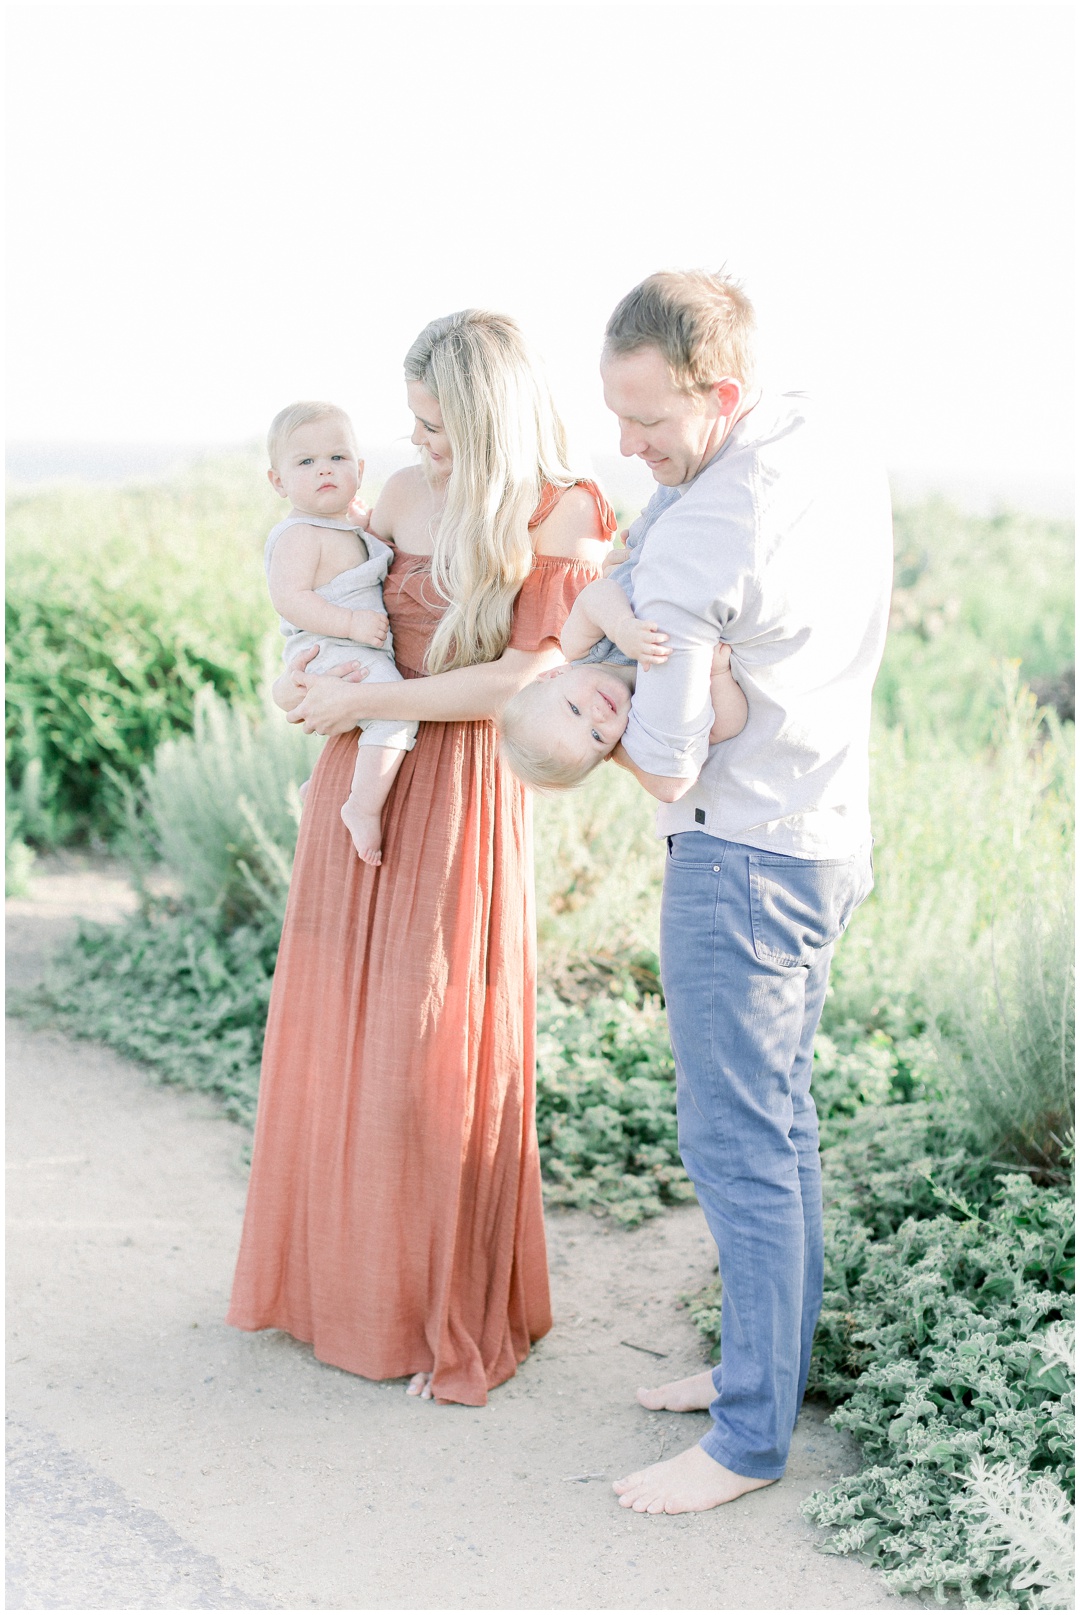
x=602, y=610
x=728, y=701
x=294, y=566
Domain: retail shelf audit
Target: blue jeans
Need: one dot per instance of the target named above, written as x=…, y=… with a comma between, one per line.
x=746, y=939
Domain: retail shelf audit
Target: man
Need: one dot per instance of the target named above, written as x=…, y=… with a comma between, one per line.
x=769, y=532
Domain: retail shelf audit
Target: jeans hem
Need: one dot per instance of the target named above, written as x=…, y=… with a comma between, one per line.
x=709, y=1443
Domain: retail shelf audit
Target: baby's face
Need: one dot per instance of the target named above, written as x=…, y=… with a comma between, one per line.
x=319, y=471
x=586, y=709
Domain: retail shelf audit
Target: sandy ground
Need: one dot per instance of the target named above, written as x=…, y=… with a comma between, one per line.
x=159, y=1460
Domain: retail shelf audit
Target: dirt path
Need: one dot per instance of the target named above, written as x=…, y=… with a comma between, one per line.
x=162, y=1461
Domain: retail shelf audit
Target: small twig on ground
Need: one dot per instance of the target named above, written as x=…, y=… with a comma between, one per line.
x=646, y=1349
x=595, y=1474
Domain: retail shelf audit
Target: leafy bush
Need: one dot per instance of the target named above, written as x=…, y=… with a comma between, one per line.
x=123, y=602
x=94, y=684
x=963, y=1374
x=174, y=992
x=605, y=1107
x=968, y=591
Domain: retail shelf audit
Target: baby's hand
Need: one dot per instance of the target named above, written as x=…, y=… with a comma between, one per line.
x=369, y=628
x=643, y=641
x=617, y=555
x=721, y=660
x=358, y=513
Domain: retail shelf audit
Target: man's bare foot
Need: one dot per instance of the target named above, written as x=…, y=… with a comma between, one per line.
x=688, y=1395
x=420, y=1385
x=688, y=1484
x=366, y=831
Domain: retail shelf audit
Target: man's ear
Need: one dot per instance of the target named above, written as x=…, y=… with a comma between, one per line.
x=275, y=482
x=728, y=394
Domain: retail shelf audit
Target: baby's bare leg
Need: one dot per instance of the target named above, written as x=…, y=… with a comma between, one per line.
x=375, y=772
x=728, y=701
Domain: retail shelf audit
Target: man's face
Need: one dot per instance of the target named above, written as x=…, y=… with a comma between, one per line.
x=673, y=431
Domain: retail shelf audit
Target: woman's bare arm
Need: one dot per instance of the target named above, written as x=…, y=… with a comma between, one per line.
x=333, y=705
x=330, y=705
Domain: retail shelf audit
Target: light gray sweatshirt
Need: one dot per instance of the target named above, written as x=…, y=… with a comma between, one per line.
x=782, y=547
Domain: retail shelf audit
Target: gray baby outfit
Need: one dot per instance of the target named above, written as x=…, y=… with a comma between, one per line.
x=357, y=589
x=605, y=650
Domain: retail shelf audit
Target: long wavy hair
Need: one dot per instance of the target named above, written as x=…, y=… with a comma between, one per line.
x=507, y=441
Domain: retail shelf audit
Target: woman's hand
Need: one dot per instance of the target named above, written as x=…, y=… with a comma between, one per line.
x=327, y=705
x=287, y=691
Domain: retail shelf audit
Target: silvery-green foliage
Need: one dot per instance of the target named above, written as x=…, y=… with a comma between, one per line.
x=958, y=1329
x=222, y=807
x=1009, y=1036
x=1023, y=1526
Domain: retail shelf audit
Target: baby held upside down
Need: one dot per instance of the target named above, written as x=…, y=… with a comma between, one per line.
x=556, y=730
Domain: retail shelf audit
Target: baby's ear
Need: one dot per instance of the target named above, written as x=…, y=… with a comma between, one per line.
x=552, y=672
x=359, y=471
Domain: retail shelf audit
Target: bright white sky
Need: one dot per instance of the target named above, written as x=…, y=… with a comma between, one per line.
x=218, y=208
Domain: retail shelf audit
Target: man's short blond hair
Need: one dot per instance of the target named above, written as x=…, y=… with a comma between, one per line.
x=703, y=324
x=286, y=421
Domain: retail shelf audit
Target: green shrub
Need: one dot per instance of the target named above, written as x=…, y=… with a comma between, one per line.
x=174, y=992
x=965, y=840
x=605, y=1107
x=959, y=1318
x=123, y=602
x=970, y=590
x=94, y=684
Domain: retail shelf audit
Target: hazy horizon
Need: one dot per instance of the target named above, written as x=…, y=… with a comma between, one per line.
x=32, y=463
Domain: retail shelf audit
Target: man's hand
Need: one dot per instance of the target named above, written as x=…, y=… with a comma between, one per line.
x=326, y=706
x=369, y=628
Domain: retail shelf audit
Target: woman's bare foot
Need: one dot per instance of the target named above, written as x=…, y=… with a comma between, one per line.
x=688, y=1395
x=688, y=1484
x=420, y=1385
x=366, y=831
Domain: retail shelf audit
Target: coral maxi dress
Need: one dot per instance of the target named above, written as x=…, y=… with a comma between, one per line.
x=394, y=1215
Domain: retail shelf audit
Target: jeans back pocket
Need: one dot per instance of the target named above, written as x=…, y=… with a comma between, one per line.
x=799, y=906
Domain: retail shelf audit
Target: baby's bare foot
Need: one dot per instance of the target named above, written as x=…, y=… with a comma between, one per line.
x=688, y=1484
x=366, y=831
x=681, y=1395
x=302, y=790
x=420, y=1385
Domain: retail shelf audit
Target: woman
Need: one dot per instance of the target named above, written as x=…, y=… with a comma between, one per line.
x=394, y=1215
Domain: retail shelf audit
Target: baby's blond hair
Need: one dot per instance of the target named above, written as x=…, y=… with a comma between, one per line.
x=286, y=421
x=534, y=763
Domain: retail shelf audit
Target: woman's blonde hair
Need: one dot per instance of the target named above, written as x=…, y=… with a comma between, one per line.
x=525, y=753
x=507, y=441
